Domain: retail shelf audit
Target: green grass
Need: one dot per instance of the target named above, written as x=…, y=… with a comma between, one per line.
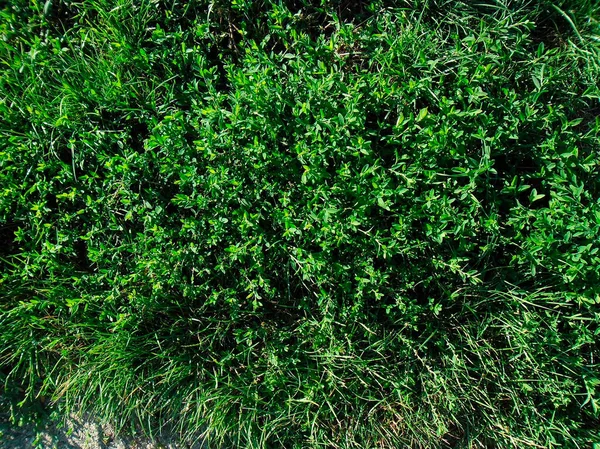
x=304, y=224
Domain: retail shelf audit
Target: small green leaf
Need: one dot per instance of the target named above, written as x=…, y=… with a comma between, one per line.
x=400, y=120
x=422, y=114
x=534, y=196
x=382, y=204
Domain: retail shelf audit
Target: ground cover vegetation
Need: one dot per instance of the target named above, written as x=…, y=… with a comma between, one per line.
x=302, y=223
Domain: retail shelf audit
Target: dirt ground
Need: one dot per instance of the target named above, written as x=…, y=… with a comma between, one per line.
x=78, y=434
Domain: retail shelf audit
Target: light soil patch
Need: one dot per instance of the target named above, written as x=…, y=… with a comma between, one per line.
x=79, y=433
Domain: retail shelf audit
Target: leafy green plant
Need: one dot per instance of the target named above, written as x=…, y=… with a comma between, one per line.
x=304, y=224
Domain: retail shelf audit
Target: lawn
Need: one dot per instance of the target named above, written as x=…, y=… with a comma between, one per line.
x=303, y=223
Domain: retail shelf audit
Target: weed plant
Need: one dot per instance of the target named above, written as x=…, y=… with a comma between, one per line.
x=304, y=224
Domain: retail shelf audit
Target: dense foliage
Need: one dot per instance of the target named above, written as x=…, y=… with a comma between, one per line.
x=301, y=223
